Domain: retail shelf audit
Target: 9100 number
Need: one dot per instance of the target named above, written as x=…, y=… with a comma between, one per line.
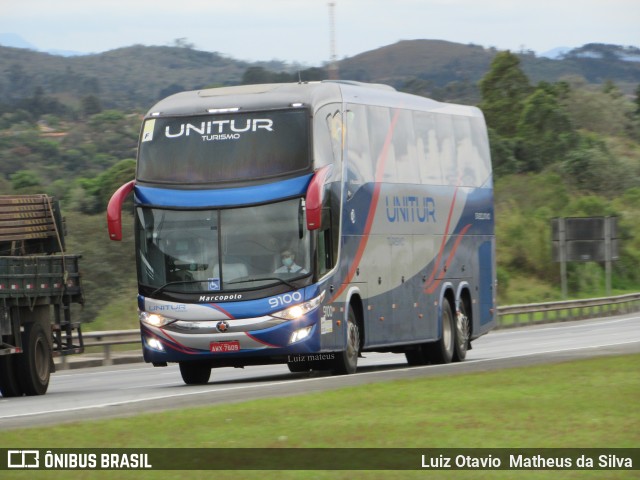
x=284, y=300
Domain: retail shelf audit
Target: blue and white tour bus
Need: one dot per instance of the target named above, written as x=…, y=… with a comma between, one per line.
x=308, y=223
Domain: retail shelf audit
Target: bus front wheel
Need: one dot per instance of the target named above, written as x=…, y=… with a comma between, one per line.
x=346, y=362
x=195, y=373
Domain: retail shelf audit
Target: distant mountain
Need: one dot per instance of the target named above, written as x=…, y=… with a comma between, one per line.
x=451, y=71
x=601, y=51
x=66, y=53
x=15, y=40
x=435, y=60
x=595, y=62
x=137, y=76
x=131, y=77
x=555, y=53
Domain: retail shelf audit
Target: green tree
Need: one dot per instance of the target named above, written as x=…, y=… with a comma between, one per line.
x=599, y=111
x=109, y=181
x=503, y=156
x=504, y=89
x=544, y=130
x=91, y=105
x=25, y=179
x=256, y=75
x=591, y=167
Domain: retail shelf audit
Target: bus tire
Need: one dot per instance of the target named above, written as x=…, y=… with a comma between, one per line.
x=33, y=365
x=9, y=386
x=442, y=351
x=346, y=362
x=195, y=373
x=462, y=333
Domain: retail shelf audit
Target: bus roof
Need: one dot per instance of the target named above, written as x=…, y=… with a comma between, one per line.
x=285, y=95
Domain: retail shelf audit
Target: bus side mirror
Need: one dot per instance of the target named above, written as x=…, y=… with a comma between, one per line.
x=114, y=210
x=315, y=196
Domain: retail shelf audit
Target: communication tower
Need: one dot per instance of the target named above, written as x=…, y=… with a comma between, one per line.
x=333, y=65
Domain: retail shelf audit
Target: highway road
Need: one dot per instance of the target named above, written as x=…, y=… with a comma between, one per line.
x=103, y=392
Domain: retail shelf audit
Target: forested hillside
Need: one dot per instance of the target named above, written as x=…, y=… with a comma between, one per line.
x=560, y=150
x=565, y=146
x=135, y=77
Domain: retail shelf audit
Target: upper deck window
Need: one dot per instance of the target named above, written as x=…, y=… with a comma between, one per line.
x=209, y=149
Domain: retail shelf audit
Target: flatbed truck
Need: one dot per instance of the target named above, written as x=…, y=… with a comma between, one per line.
x=39, y=283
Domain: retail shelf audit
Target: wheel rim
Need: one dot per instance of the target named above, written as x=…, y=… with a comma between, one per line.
x=462, y=327
x=353, y=342
x=447, y=332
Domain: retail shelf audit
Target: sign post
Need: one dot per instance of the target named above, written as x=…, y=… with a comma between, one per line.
x=584, y=239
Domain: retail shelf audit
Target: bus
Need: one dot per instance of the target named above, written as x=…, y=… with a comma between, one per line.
x=307, y=223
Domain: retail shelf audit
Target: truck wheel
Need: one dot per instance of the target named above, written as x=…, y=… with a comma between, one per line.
x=9, y=386
x=195, y=373
x=442, y=350
x=346, y=362
x=33, y=365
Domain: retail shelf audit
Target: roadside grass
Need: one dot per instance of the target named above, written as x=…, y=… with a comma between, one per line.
x=578, y=404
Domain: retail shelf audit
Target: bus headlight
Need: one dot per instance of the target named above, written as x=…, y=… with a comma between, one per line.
x=300, y=310
x=154, y=344
x=154, y=319
x=300, y=334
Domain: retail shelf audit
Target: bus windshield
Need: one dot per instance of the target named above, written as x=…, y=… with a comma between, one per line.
x=210, y=149
x=197, y=251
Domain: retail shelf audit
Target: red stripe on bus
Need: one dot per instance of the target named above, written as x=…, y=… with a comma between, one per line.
x=436, y=266
x=178, y=346
x=431, y=288
x=256, y=339
x=215, y=306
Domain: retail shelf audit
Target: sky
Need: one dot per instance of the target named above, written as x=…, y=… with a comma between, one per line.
x=300, y=30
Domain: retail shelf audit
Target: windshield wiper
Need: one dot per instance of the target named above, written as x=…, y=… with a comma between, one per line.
x=178, y=282
x=244, y=280
x=281, y=280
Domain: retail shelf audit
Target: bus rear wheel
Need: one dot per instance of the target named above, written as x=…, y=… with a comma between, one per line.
x=195, y=373
x=462, y=333
x=442, y=351
x=346, y=362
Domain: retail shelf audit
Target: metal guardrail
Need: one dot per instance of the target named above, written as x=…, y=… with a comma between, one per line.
x=508, y=316
x=566, y=310
x=104, y=340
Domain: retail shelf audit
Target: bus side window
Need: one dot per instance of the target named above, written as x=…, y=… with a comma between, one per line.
x=429, y=162
x=481, y=149
x=466, y=156
x=380, y=130
x=404, y=143
x=327, y=133
x=447, y=149
x=358, y=158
